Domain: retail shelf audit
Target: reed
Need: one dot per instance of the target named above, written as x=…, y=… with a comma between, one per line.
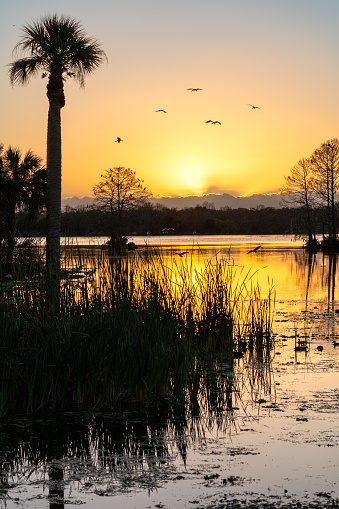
x=143, y=329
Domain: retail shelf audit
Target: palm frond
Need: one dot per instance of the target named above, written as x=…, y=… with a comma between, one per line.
x=31, y=161
x=55, y=44
x=23, y=69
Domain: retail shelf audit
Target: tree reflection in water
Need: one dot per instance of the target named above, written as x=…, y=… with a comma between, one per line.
x=331, y=275
x=130, y=448
x=320, y=271
x=315, y=315
x=56, y=486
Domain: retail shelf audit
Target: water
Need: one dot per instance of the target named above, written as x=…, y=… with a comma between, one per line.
x=189, y=240
x=280, y=260
x=279, y=444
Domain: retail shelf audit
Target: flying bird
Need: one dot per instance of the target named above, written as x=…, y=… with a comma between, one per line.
x=254, y=250
x=254, y=107
x=182, y=254
x=214, y=122
x=157, y=111
x=194, y=89
x=118, y=140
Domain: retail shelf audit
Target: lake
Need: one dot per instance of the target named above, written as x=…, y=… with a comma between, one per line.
x=276, y=445
x=280, y=260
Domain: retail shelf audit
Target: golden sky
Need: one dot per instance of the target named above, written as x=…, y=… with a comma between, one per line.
x=280, y=55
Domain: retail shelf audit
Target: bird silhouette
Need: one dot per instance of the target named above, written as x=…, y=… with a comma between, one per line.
x=254, y=250
x=181, y=254
x=157, y=111
x=118, y=140
x=194, y=89
x=254, y=107
x=214, y=122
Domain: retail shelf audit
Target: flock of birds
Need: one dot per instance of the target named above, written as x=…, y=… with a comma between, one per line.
x=212, y=122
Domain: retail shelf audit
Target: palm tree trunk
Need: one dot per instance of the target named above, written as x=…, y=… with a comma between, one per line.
x=53, y=188
x=56, y=487
x=10, y=232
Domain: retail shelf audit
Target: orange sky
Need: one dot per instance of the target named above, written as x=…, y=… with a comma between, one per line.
x=281, y=55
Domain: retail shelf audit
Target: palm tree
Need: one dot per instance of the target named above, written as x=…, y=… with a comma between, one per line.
x=22, y=185
x=59, y=49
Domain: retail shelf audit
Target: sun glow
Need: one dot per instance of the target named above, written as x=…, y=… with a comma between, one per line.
x=179, y=152
x=189, y=175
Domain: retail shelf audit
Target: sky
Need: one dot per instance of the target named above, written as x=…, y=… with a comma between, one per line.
x=279, y=55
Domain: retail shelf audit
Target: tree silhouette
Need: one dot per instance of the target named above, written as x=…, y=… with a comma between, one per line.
x=119, y=190
x=22, y=185
x=58, y=49
x=299, y=190
x=325, y=161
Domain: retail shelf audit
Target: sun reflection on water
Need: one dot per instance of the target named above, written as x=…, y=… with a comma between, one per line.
x=272, y=435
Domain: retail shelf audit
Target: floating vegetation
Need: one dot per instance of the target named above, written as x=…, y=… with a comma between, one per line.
x=211, y=477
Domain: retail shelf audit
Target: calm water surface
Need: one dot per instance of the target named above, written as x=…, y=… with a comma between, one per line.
x=279, y=443
x=281, y=260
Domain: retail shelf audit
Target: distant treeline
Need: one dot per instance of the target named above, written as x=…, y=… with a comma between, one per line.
x=156, y=220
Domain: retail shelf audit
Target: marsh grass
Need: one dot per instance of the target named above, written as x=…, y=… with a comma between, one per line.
x=140, y=328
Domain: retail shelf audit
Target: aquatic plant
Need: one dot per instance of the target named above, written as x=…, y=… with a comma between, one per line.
x=131, y=328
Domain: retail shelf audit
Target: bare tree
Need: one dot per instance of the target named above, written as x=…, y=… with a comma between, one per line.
x=299, y=190
x=325, y=163
x=119, y=190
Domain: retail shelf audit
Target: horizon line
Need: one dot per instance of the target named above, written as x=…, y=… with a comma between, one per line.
x=161, y=196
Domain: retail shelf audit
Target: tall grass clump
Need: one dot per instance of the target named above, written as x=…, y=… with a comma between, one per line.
x=137, y=328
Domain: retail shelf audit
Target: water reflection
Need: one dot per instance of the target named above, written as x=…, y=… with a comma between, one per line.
x=110, y=453
x=126, y=449
x=331, y=276
x=296, y=274
x=317, y=273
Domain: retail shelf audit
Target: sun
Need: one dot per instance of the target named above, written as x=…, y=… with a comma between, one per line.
x=190, y=176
